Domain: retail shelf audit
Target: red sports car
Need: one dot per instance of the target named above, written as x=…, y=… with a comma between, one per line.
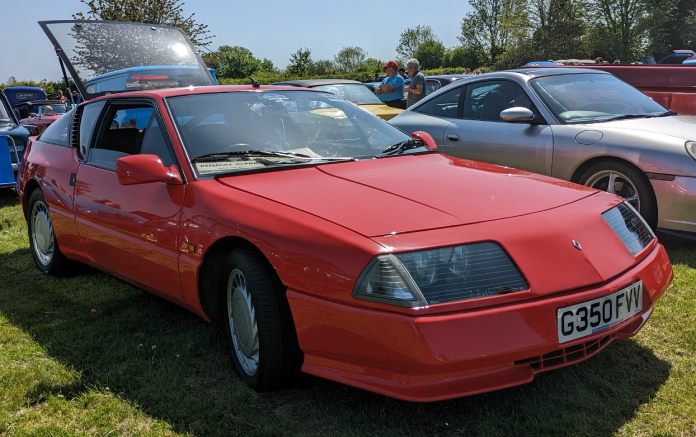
x=42, y=113
x=326, y=240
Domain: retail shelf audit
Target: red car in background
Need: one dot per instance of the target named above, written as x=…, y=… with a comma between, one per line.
x=40, y=114
x=326, y=240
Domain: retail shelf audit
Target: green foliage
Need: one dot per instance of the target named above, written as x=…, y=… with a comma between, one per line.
x=236, y=62
x=163, y=12
x=493, y=26
x=350, y=59
x=430, y=54
x=411, y=39
x=324, y=67
x=463, y=56
x=300, y=62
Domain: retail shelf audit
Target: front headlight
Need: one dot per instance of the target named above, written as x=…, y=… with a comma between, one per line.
x=447, y=274
x=691, y=148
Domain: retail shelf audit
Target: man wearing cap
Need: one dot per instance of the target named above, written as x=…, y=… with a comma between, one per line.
x=391, y=90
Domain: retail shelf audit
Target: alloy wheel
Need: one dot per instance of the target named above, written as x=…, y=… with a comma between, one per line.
x=617, y=183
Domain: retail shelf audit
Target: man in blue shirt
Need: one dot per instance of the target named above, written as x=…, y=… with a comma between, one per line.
x=391, y=90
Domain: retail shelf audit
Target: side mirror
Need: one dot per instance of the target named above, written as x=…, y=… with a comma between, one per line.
x=426, y=138
x=517, y=115
x=145, y=169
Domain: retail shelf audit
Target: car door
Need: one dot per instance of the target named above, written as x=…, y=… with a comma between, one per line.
x=478, y=133
x=434, y=115
x=129, y=230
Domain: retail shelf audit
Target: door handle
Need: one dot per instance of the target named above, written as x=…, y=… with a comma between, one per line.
x=453, y=138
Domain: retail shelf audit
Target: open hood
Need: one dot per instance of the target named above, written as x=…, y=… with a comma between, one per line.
x=111, y=56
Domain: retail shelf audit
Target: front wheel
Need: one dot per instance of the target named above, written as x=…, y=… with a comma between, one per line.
x=258, y=323
x=626, y=181
x=42, y=238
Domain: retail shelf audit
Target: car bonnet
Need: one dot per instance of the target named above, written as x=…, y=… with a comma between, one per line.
x=409, y=193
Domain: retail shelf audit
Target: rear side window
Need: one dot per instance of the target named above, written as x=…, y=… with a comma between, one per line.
x=57, y=132
x=88, y=122
x=445, y=105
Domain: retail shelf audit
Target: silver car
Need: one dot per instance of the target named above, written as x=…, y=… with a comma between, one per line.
x=585, y=126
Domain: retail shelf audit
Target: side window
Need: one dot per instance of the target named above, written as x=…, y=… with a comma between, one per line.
x=486, y=100
x=129, y=130
x=57, y=132
x=444, y=105
x=88, y=122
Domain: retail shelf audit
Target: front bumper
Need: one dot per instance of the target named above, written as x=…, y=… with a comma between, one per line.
x=676, y=204
x=434, y=357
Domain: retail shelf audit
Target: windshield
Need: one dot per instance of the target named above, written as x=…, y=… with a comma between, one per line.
x=588, y=98
x=239, y=131
x=356, y=93
x=111, y=56
x=49, y=109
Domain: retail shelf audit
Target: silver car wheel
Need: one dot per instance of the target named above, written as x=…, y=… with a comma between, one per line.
x=42, y=233
x=617, y=183
x=242, y=320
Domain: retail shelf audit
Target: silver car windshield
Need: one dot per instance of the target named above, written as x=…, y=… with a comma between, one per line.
x=241, y=131
x=591, y=98
x=356, y=93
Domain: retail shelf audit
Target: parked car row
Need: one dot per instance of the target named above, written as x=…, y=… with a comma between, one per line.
x=326, y=240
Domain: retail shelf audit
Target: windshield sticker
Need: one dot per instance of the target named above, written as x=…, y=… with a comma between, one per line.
x=215, y=167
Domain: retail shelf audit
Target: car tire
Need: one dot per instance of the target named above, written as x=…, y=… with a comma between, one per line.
x=258, y=323
x=42, y=239
x=628, y=182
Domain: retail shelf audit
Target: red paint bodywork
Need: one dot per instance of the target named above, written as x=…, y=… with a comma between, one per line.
x=672, y=86
x=320, y=226
x=41, y=122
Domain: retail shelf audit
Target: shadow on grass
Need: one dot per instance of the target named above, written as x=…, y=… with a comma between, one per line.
x=8, y=196
x=175, y=367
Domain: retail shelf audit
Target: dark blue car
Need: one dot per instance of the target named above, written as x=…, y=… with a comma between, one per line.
x=20, y=94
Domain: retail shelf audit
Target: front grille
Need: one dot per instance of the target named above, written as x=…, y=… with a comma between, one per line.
x=629, y=227
x=565, y=356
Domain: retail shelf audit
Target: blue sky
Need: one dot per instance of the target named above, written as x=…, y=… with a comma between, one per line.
x=271, y=29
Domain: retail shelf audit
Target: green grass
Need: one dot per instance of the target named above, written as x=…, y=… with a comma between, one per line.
x=90, y=355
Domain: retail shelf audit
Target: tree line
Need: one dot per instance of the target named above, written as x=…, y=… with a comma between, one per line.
x=495, y=34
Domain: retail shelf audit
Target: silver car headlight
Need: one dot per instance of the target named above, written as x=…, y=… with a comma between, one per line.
x=427, y=277
x=691, y=148
x=629, y=226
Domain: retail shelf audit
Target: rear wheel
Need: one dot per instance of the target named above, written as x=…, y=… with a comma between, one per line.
x=42, y=239
x=258, y=322
x=626, y=181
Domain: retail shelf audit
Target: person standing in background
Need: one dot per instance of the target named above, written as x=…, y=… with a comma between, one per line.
x=417, y=88
x=391, y=90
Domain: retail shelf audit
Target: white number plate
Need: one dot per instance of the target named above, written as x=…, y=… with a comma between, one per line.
x=596, y=315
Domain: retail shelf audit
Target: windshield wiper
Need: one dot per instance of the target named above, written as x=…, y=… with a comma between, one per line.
x=626, y=117
x=401, y=147
x=630, y=116
x=221, y=156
